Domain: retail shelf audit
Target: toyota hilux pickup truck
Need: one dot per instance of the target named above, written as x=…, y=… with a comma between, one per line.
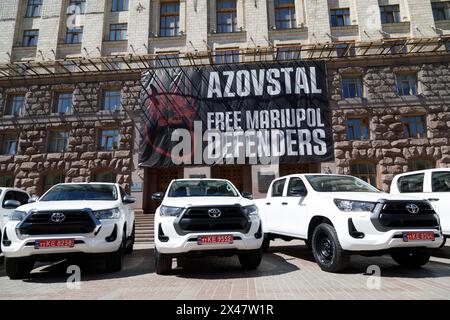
x=206, y=217
x=431, y=184
x=70, y=219
x=339, y=215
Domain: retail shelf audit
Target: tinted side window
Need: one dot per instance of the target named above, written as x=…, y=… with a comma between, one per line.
x=295, y=185
x=277, y=188
x=440, y=181
x=411, y=183
x=22, y=197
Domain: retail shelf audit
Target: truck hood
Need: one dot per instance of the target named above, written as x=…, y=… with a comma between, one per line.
x=69, y=205
x=366, y=196
x=184, y=202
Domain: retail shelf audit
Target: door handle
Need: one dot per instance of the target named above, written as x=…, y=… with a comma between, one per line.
x=433, y=199
x=284, y=203
x=268, y=203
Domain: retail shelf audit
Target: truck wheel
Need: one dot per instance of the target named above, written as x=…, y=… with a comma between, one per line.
x=18, y=268
x=327, y=250
x=250, y=260
x=266, y=244
x=114, y=261
x=411, y=258
x=130, y=247
x=308, y=244
x=163, y=263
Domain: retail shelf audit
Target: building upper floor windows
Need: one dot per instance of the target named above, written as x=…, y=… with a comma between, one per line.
x=224, y=56
x=390, y=14
x=119, y=5
x=74, y=35
x=169, y=20
x=346, y=49
x=30, y=38
x=285, y=14
x=340, y=17
x=63, y=102
x=358, y=129
x=365, y=171
x=441, y=10
x=352, y=87
x=288, y=53
x=226, y=16
x=118, y=32
x=407, y=84
x=58, y=140
x=111, y=100
x=15, y=105
x=77, y=6
x=414, y=126
x=9, y=143
x=108, y=139
x=34, y=8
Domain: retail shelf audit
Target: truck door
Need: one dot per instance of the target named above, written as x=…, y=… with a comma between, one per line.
x=274, y=216
x=440, y=197
x=294, y=206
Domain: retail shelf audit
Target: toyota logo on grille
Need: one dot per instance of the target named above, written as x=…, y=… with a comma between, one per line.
x=412, y=208
x=58, y=217
x=214, y=213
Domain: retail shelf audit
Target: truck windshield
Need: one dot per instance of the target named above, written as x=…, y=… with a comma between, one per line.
x=74, y=192
x=202, y=188
x=329, y=183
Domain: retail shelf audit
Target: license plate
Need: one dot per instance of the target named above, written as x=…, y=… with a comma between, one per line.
x=219, y=239
x=418, y=236
x=55, y=243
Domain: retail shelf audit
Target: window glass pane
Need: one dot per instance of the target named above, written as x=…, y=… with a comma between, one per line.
x=440, y=181
x=111, y=100
x=9, y=144
x=7, y=181
x=411, y=183
x=277, y=188
x=15, y=105
x=365, y=171
x=295, y=186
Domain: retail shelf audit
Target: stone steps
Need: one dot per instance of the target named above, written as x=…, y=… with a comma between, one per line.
x=144, y=228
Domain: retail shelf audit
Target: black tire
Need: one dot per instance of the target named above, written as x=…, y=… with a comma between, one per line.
x=411, y=258
x=308, y=244
x=266, y=244
x=18, y=268
x=443, y=243
x=130, y=247
x=114, y=261
x=163, y=263
x=327, y=250
x=250, y=260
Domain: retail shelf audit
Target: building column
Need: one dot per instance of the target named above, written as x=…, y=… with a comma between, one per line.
x=256, y=22
x=138, y=26
x=196, y=24
x=421, y=16
x=9, y=15
x=94, y=25
x=318, y=21
x=368, y=19
x=52, y=12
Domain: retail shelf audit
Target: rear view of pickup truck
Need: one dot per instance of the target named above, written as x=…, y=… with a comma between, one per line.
x=339, y=215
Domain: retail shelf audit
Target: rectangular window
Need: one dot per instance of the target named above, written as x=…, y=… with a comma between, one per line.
x=7, y=181
x=417, y=165
x=365, y=171
x=167, y=60
x=226, y=16
x=74, y=35
x=407, y=84
x=9, y=144
x=118, y=32
x=15, y=105
x=345, y=50
x=105, y=176
x=340, y=17
x=397, y=47
x=278, y=187
x=169, y=21
x=63, y=102
x=109, y=139
x=440, y=181
x=53, y=179
x=111, y=100
x=58, y=141
x=288, y=53
x=414, y=126
x=30, y=38
x=411, y=183
x=358, y=129
x=285, y=14
x=226, y=56
x=77, y=6
x=441, y=10
x=352, y=87
x=390, y=14
x=119, y=5
x=34, y=8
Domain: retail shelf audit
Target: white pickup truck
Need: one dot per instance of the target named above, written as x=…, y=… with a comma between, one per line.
x=206, y=217
x=340, y=215
x=431, y=184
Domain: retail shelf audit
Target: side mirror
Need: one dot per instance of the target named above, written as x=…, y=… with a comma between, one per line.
x=33, y=199
x=158, y=196
x=247, y=195
x=298, y=192
x=128, y=199
x=11, y=204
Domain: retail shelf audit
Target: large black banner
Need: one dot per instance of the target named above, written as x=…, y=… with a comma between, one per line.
x=236, y=114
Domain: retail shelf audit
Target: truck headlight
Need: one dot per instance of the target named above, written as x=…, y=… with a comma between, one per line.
x=166, y=211
x=107, y=214
x=358, y=206
x=17, y=215
x=250, y=211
